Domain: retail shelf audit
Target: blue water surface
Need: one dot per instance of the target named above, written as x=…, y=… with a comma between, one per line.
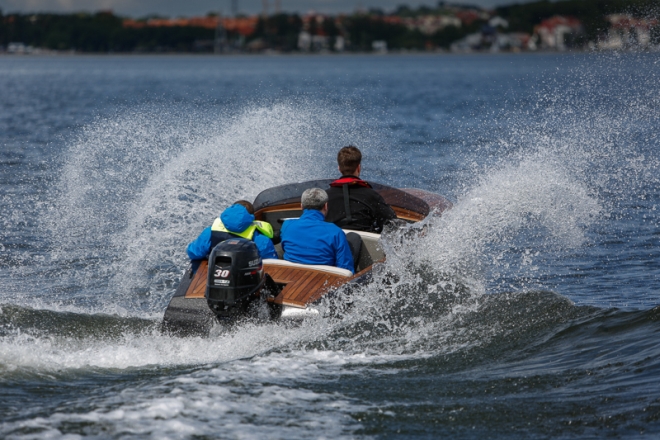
x=528, y=311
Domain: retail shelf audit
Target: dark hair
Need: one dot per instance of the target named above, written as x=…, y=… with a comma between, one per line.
x=349, y=159
x=247, y=205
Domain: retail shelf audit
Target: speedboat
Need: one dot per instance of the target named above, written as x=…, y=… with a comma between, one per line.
x=234, y=282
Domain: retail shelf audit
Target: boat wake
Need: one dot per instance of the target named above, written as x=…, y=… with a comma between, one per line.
x=61, y=341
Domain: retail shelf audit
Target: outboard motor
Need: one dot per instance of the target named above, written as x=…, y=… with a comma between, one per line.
x=235, y=278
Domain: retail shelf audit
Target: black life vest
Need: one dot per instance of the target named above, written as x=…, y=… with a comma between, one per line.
x=345, y=183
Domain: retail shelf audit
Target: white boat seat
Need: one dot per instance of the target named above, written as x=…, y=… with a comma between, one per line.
x=365, y=235
x=323, y=268
x=371, y=249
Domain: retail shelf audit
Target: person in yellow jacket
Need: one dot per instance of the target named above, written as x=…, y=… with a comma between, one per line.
x=235, y=221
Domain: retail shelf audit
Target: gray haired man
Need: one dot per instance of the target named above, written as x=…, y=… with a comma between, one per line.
x=311, y=240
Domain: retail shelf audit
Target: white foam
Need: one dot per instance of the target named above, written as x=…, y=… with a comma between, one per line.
x=266, y=396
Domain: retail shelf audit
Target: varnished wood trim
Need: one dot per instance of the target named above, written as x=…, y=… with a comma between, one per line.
x=277, y=208
x=197, y=287
x=279, y=274
x=287, y=273
x=302, y=285
x=293, y=289
x=302, y=290
x=401, y=213
x=329, y=285
x=407, y=214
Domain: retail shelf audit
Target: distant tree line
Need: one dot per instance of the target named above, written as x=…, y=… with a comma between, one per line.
x=100, y=32
x=104, y=32
x=279, y=32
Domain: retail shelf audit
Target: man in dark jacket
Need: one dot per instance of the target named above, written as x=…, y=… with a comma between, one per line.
x=352, y=203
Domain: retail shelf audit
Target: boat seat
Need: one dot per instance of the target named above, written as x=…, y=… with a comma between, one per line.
x=370, y=236
x=371, y=249
x=323, y=268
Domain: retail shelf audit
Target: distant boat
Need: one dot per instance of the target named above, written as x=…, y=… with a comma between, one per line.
x=239, y=279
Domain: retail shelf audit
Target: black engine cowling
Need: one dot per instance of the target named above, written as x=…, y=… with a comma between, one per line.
x=235, y=277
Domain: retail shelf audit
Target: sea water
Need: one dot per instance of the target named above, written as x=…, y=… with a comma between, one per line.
x=530, y=310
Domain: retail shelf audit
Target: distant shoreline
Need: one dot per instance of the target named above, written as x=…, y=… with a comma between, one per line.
x=315, y=54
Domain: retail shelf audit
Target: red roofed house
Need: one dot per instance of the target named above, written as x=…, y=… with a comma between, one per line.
x=552, y=32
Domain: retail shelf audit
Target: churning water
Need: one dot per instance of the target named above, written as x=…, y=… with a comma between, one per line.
x=528, y=310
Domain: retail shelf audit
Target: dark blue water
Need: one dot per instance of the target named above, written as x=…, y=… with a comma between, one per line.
x=530, y=310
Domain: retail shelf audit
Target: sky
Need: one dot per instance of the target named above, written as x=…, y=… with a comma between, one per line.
x=176, y=8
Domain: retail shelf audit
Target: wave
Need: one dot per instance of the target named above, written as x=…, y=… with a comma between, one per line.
x=513, y=331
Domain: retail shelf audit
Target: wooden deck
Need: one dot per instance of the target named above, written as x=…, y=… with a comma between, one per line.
x=198, y=284
x=302, y=286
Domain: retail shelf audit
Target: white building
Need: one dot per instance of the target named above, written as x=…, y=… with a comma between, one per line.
x=553, y=33
x=627, y=32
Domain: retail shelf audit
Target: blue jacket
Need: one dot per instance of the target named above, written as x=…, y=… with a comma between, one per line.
x=235, y=219
x=312, y=240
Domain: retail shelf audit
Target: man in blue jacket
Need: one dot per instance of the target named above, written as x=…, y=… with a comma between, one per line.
x=312, y=240
x=235, y=221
